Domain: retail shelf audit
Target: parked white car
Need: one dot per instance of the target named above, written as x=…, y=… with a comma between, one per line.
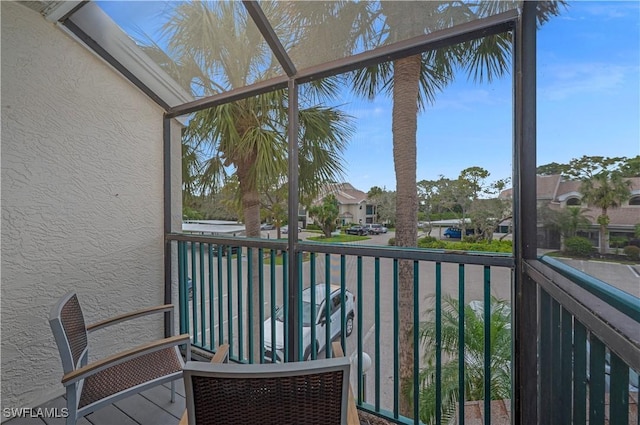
x=320, y=323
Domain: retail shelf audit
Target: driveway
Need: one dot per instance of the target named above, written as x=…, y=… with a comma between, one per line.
x=621, y=276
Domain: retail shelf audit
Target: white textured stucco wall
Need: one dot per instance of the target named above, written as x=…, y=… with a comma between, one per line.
x=82, y=200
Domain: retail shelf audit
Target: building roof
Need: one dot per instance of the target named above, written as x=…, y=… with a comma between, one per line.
x=345, y=193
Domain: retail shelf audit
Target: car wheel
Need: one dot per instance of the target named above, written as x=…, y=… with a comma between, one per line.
x=349, y=325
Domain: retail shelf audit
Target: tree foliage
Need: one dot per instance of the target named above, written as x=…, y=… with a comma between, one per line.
x=474, y=336
x=605, y=190
x=587, y=167
x=385, y=204
x=326, y=214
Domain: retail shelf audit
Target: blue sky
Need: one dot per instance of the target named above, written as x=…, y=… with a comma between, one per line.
x=588, y=103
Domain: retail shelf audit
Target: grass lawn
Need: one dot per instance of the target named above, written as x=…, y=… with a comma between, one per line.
x=279, y=261
x=339, y=239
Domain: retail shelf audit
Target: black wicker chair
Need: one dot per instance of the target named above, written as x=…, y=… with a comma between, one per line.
x=312, y=392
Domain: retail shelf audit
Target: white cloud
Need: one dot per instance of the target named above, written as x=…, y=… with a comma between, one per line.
x=468, y=100
x=558, y=82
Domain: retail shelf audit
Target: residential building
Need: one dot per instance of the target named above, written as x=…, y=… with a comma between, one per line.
x=557, y=193
x=353, y=205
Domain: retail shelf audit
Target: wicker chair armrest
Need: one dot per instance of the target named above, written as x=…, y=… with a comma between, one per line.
x=128, y=316
x=352, y=410
x=221, y=356
x=102, y=364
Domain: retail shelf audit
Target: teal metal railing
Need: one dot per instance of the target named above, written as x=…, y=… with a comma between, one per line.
x=216, y=307
x=588, y=347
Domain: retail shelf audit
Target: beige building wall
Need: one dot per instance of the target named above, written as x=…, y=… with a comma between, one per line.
x=82, y=201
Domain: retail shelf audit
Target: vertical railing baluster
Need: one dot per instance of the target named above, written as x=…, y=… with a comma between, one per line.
x=300, y=348
x=619, y=394
x=272, y=294
x=212, y=334
x=285, y=294
x=229, y=299
x=314, y=337
x=183, y=290
x=194, y=297
x=596, y=381
x=555, y=362
x=360, y=395
x=545, y=358
x=416, y=342
x=250, y=302
x=327, y=308
x=461, y=368
x=240, y=296
x=487, y=345
x=343, y=285
x=566, y=369
x=438, y=312
x=203, y=318
x=220, y=298
x=579, y=374
x=396, y=347
x=261, y=299
x=377, y=326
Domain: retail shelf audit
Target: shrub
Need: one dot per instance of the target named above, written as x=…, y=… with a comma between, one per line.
x=313, y=226
x=427, y=239
x=392, y=241
x=579, y=246
x=633, y=252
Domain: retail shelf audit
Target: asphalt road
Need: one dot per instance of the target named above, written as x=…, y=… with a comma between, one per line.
x=621, y=276
x=365, y=301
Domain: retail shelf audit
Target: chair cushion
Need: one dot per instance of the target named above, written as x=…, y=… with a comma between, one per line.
x=129, y=374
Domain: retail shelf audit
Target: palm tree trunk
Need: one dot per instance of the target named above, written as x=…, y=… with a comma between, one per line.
x=251, y=212
x=405, y=109
x=603, y=219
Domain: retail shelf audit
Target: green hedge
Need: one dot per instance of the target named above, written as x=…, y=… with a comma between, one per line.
x=633, y=252
x=579, y=246
x=484, y=246
x=432, y=243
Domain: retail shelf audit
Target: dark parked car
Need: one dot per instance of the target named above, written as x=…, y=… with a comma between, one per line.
x=356, y=230
x=456, y=232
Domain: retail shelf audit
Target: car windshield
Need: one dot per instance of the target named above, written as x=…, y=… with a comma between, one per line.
x=306, y=314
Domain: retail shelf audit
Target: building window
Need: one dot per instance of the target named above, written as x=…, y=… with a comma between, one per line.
x=619, y=239
x=592, y=236
x=573, y=202
x=635, y=200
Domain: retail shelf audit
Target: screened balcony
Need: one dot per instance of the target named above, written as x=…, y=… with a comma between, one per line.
x=562, y=323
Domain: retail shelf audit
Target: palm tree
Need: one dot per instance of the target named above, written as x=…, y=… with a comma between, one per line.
x=213, y=48
x=474, y=335
x=605, y=190
x=413, y=83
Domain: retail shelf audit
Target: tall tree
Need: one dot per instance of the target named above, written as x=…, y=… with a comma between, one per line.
x=605, y=190
x=413, y=82
x=326, y=214
x=213, y=47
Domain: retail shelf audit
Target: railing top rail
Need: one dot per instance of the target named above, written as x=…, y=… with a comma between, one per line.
x=407, y=253
x=615, y=329
x=621, y=300
x=401, y=253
